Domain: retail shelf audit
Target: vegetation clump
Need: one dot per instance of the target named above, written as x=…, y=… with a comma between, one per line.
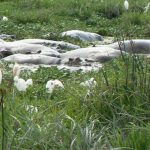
x=113, y=114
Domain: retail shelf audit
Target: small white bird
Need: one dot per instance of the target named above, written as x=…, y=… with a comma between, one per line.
x=5, y=18
x=29, y=82
x=16, y=70
x=91, y=83
x=126, y=4
x=52, y=84
x=1, y=75
x=146, y=8
x=21, y=84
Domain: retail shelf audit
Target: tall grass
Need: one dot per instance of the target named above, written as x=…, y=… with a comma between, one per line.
x=113, y=115
x=118, y=108
x=101, y=17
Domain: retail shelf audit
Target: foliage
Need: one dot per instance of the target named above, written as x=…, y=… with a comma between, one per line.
x=35, y=18
x=71, y=118
x=113, y=115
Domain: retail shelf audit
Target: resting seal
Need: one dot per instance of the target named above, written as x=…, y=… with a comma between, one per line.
x=91, y=54
x=83, y=36
x=133, y=46
x=32, y=59
x=57, y=45
x=24, y=48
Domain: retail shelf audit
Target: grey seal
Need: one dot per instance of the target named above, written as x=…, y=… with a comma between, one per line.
x=24, y=48
x=139, y=46
x=82, y=35
x=91, y=54
x=57, y=45
x=32, y=59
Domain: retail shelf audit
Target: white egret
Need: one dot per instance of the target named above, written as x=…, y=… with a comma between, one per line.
x=16, y=70
x=29, y=82
x=91, y=83
x=146, y=8
x=1, y=75
x=51, y=84
x=21, y=84
x=5, y=18
x=126, y=4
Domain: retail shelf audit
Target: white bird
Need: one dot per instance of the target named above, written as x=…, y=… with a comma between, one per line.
x=5, y=18
x=1, y=75
x=29, y=82
x=146, y=8
x=52, y=84
x=126, y=4
x=21, y=84
x=16, y=70
x=91, y=83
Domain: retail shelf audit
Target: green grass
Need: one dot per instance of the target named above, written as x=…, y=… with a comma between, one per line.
x=34, y=18
x=116, y=112
x=117, y=108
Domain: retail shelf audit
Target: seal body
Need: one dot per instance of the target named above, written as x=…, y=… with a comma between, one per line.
x=91, y=54
x=133, y=46
x=83, y=36
x=32, y=59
